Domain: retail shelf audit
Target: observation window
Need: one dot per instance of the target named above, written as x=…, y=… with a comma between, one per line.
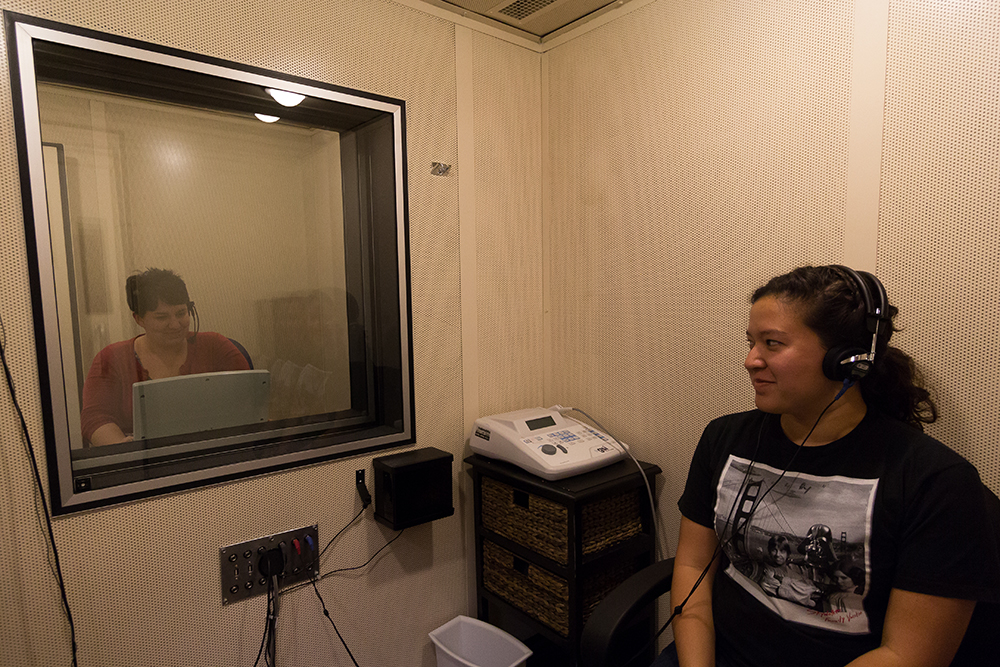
x=290, y=237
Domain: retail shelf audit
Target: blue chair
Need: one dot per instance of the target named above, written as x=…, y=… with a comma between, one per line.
x=243, y=351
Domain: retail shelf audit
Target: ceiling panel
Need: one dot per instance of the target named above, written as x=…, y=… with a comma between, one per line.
x=536, y=17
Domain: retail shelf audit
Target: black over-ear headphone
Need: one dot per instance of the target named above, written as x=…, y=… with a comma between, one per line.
x=132, y=292
x=852, y=362
x=193, y=312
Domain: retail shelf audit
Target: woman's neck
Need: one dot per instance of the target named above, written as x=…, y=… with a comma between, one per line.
x=161, y=348
x=161, y=360
x=840, y=418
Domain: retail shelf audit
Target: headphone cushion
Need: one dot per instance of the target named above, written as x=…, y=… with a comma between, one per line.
x=832, y=366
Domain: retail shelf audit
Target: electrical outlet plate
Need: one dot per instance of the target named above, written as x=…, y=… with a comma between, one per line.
x=239, y=564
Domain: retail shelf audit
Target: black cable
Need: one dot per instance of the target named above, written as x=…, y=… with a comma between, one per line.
x=269, y=641
x=272, y=620
x=344, y=569
x=263, y=638
x=358, y=567
x=333, y=539
x=327, y=614
x=753, y=509
x=313, y=580
x=41, y=492
x=267, y=626
x=718, y=549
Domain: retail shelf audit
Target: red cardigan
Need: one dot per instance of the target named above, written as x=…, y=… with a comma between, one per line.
x=107, y=391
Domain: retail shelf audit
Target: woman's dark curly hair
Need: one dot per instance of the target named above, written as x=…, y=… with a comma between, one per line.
x=830, y=304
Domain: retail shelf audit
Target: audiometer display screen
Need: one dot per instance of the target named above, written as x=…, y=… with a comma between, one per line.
x=541, y=422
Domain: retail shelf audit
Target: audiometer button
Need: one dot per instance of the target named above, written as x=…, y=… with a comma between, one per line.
x=548, y=449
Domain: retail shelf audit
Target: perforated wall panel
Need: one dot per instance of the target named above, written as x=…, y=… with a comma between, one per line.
x=508, y=224
x=142, y=578
x=939, y=231
x=697, y=149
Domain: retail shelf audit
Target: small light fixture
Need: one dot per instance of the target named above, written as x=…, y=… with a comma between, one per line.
x=285, y=98
x=267, y=119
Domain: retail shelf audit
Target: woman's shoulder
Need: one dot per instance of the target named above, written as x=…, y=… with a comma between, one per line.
x=210, y=339
x=205, y=336
x=724, y=433
x=917, y=455
x=909, y=440
x=736, y=421
x=213, y=351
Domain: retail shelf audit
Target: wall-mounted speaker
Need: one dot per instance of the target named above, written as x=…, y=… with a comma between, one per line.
x=413, y=487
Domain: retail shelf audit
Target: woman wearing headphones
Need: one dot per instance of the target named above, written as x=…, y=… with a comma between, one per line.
x=836, y=441
x=159, y=302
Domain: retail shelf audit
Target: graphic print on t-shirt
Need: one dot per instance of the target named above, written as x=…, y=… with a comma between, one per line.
x=802, y=549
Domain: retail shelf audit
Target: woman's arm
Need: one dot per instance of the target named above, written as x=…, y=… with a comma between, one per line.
x=103, y=415
x=920, y=631
x=694, y=629
x=108, y=434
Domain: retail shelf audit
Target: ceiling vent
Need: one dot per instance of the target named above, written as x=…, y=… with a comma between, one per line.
x=535, y=17
x=522, y=9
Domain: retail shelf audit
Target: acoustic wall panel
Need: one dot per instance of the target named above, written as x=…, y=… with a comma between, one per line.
x=939, y=212
x=507, y=82
x=697, y=149
x=142, y=578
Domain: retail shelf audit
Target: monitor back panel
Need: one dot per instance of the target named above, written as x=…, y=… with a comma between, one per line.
x=202, y=402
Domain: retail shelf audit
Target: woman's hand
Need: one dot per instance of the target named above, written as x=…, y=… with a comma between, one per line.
x=108, y=434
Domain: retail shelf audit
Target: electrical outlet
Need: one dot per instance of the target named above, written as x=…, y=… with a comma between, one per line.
x=240, y=577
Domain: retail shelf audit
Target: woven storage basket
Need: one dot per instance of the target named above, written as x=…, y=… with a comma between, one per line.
x=534, y=590
x=541, y=525
x=540, y=593
x=534, y=522
x=611, y=520
x=597, y=586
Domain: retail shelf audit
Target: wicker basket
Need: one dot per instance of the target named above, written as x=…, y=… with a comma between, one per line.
x=535, y=591
x=541, y=594
x=541, y=525
x=534, y=522
x=611, y=520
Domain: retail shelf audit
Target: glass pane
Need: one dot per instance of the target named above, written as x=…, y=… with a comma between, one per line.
x=214, y=290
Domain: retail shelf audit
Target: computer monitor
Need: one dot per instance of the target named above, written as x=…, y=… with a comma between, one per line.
x=201, y=402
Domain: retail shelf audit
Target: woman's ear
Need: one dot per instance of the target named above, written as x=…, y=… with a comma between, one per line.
x=138, y=320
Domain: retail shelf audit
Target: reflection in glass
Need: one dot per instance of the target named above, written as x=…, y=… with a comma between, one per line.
x=251, y=216
x=290, y=236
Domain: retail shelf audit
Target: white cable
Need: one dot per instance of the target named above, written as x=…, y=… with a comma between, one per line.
x=649, y=491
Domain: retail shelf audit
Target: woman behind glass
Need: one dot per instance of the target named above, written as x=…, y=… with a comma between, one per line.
x=160, y=305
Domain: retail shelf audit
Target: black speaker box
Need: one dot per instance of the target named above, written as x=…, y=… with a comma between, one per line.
x=413, y=487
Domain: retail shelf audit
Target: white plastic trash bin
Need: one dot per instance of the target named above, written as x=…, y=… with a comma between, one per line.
x=469, y=642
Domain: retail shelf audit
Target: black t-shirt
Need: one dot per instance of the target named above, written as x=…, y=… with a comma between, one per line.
x=818, y=548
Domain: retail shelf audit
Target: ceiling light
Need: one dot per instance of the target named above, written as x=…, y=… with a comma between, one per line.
x=285, y=98
x=267, y=119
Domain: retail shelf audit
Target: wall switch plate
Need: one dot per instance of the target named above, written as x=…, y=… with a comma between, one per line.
x=240, y=577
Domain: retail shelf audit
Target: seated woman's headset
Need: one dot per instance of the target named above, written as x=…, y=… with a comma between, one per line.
x=852, y=362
